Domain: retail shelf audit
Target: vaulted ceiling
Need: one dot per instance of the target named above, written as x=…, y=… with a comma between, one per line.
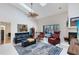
x=47, y=10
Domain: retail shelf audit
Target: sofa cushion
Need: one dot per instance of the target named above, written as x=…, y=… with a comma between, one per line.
x=30, y=39
x=21, y=37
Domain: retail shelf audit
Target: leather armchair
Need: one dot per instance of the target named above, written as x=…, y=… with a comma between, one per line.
x=55, y=38
x=41, y=35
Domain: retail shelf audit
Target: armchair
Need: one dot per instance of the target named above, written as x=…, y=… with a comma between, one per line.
x=55, y=38
x=41, y=35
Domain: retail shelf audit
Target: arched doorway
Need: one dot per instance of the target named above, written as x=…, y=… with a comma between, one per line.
x=5, y=32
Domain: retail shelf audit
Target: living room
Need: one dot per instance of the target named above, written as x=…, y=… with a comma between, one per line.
x=50, y=15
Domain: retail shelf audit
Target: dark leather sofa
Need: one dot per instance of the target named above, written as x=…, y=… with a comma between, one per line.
x=27, y=43
x=21, y=37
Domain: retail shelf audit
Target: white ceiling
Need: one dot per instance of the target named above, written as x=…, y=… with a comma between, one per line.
x=49, y=9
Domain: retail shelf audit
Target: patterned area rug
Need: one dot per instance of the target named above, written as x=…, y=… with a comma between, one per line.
x=38, y=49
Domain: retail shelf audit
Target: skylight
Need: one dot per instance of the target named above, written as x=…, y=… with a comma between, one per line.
x=43, y=4
x=26, y=7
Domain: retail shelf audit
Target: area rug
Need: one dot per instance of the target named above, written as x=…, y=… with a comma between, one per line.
x=38, y=49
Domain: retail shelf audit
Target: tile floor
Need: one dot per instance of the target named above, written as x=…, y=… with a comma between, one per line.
x=63, y=45
x=8, y=49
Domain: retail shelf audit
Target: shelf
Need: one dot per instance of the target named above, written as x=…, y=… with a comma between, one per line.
x=73, y=27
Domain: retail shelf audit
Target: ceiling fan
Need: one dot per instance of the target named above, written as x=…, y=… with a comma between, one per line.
x=32, y=13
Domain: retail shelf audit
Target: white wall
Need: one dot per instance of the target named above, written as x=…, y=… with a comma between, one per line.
x=57, y=19
x=73, y=11
x=11, y=14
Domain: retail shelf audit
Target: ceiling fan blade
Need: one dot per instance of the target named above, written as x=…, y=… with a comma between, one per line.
x=32, y=14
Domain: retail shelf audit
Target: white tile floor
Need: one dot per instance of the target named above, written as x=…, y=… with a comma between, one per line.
x=8, y=49
x=63, y=45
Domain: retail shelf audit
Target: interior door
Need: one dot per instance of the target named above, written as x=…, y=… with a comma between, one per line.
x=2, y=28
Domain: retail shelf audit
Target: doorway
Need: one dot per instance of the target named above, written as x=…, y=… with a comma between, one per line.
x=5, y=32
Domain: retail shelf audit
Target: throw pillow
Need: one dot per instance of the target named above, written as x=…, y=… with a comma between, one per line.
x=30, y=39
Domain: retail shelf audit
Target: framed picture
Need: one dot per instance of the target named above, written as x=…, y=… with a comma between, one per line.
x=73, y=21
x=21, y=28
